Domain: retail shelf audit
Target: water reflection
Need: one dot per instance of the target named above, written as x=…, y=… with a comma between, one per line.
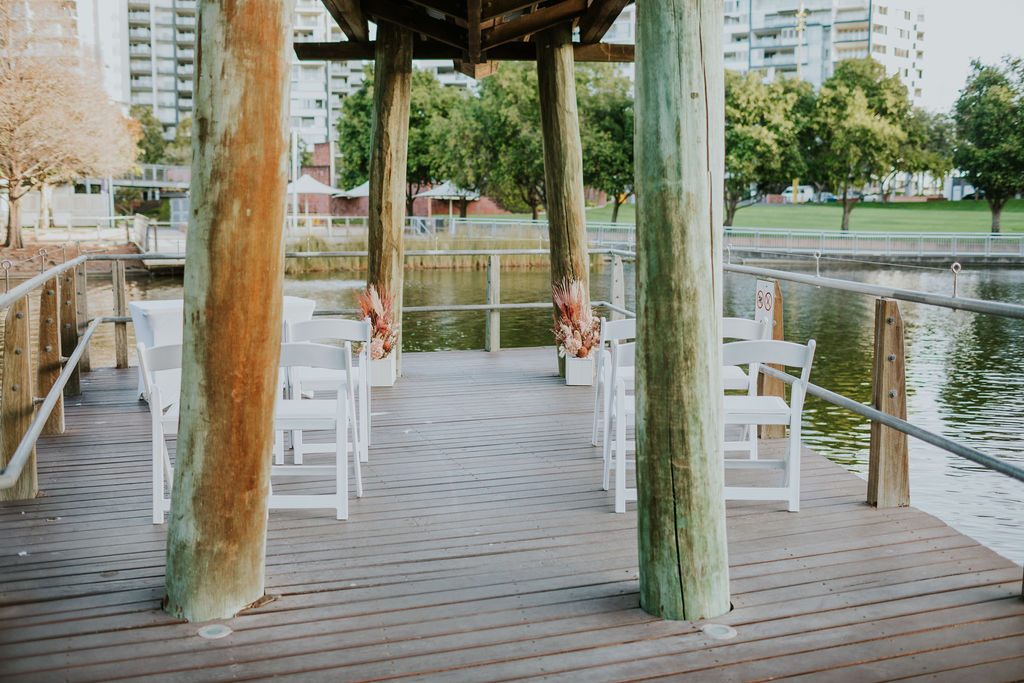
x=965, y=372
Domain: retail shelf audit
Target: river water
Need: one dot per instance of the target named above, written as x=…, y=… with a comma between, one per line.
x=965, y=372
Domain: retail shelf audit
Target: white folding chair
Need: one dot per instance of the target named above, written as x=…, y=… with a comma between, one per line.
x=613, y=332
x=772, y=410
x=622, y=413
x=297, y=414
x=160, y=368
x=734, y=378
x=307, y=379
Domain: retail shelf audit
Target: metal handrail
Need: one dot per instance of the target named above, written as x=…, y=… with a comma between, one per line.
x=1000, y=308
x=10, y=474
x=896, y=423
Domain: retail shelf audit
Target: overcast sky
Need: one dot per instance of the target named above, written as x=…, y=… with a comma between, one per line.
x=957, y=31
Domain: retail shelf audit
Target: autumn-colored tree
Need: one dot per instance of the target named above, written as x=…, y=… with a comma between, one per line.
x=56, y=122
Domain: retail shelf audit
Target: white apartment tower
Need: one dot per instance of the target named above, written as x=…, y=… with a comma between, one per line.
x=764, y=36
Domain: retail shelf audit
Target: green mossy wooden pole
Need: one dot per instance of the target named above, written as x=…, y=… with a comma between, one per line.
x=680, y=149
x=563, y=158
x=392, y=92
x=216, y=535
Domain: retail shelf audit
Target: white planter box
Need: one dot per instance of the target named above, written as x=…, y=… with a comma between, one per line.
x=382, y=371
x=579, y=371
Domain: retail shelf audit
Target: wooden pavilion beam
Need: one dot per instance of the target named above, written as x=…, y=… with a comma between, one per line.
x=417, y=22
x=516, y=52
x=473, y=28
x=350, y=18
x=533, y=22
x=599, y=18
x=563, y=157
x=392, y=92
x=216, y=535
x=680, y=166
x=495, y=9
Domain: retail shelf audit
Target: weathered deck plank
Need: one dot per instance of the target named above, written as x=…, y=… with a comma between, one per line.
x=484, y=549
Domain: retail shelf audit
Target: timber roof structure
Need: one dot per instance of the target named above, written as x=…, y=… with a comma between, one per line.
x=474, y=34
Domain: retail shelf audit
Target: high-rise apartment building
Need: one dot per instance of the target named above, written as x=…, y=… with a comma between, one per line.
x=766, y=36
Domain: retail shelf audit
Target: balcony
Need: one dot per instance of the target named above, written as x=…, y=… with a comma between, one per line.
x=138, y=17
x=185, y=85
x=138, y=34
x=186, y=37
x=186, y=54
x=141, y=50
x=141, y=66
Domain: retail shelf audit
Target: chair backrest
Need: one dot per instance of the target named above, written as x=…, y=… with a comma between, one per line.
x=746, y=329
x=777, y=352
x=617, y=330
x=160, y=367
x=330, y=329
x=308, y=354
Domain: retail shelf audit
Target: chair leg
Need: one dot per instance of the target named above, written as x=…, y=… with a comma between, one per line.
x=158, y=476
x=297, y=447
x=793, y=468
x=620, y=461
x=278, y=447
x=752, y=438
x=598, y=391
x=606, y=449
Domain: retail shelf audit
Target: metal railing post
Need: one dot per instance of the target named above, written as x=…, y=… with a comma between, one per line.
x=492, y=335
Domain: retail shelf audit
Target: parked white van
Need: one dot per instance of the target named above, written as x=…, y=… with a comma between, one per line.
x=806, y=194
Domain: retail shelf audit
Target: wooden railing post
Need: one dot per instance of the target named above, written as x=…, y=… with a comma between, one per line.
x=49, y=367
x=769, y=386
x=120, y=309
x=888, y=474
x=16, y=405
x=618, y=288
x=82, y=312
x=69, y=326
x=492, y=338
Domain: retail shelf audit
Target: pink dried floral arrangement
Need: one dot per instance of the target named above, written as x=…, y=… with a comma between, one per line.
x=377, y=308
x=577, y=330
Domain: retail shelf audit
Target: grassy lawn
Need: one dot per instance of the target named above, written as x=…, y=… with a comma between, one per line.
x=966, y=216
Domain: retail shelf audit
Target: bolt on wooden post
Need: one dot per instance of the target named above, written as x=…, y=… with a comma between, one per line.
x=888, y=469
x=16, y=405
x=49, y=366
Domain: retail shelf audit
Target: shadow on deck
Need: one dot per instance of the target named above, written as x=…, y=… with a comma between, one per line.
x=485, y=549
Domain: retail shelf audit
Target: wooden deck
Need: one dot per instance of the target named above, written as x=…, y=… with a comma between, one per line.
x=484, y=549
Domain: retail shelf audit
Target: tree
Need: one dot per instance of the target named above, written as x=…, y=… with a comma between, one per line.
x=989, y=118
x=606, y=129
x=761, y=137
x=429, y=110
x=466, y=157
x=152, y=143
x=179, y=150
x=859, y=117
x=56, y=123
x=927, y=148
x=510, y=114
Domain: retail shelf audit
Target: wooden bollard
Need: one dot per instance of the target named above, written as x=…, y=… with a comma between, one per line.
x=769, y=386
x=618, y=288
x=120, y=309
x=49, y=367
x=493, y=333
x=69, y=326
x=82, y=297
x=888, y=473
x=16, y=406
